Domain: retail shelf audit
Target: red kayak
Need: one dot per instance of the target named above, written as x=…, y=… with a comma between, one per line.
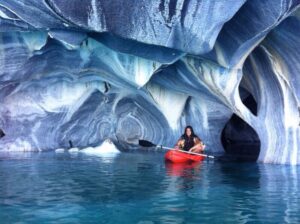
x=176, y=156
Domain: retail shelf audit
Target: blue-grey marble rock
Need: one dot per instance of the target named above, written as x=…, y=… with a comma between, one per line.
x=84, y=71
x=191, y=26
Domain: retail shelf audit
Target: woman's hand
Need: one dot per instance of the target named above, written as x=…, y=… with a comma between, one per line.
x=179, y=145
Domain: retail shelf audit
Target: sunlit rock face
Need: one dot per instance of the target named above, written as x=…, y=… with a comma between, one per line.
x=85, y=72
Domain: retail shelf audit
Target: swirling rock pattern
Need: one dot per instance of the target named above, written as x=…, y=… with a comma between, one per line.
x=129, y=70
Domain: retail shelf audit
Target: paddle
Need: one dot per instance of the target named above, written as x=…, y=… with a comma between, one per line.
x=146, y=143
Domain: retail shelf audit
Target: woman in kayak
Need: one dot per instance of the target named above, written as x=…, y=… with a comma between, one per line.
x=190, y=142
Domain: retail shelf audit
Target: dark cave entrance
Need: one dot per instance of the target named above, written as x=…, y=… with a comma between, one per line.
x=240, y=140
x=2, y=134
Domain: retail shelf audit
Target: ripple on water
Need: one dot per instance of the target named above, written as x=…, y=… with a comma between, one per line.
x=141, y=188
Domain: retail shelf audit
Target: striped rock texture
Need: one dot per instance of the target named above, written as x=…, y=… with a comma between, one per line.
x=84, y=71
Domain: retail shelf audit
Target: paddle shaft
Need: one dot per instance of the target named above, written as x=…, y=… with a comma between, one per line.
x=193, y=153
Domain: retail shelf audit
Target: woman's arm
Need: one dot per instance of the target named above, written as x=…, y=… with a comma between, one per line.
x=179, y=144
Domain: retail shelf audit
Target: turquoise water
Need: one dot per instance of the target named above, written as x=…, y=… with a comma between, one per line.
x=141, y=188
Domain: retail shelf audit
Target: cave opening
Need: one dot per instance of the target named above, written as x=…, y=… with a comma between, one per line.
x=2, y=134
x=240, y=141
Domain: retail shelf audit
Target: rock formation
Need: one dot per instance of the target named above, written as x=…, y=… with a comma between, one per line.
x=127, y=70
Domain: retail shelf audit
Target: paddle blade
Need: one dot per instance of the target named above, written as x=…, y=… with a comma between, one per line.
x=146, y=143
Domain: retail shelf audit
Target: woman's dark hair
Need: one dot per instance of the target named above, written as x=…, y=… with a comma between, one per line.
x=192, y=130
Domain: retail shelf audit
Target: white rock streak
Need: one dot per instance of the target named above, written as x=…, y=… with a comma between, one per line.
x=170, y=103
x=96, y=19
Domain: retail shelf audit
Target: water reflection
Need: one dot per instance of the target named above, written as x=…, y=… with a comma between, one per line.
x=187, y=170
x=134, y=188
x=240, y=175
x=280, y=193
x=241, y=187
x=61, y=186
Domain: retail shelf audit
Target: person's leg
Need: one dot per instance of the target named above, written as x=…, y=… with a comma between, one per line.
x=198, y=148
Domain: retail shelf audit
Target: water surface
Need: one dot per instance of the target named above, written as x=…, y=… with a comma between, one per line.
x=141, y=188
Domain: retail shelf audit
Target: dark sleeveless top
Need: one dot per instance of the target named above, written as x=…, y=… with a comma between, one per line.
x=188, y=142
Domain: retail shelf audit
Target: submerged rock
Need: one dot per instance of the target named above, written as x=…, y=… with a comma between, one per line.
x=130, y=70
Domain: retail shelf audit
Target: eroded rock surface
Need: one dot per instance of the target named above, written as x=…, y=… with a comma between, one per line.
x=84, y=71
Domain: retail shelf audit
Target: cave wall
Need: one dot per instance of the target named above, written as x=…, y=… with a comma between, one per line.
x=143, y=70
